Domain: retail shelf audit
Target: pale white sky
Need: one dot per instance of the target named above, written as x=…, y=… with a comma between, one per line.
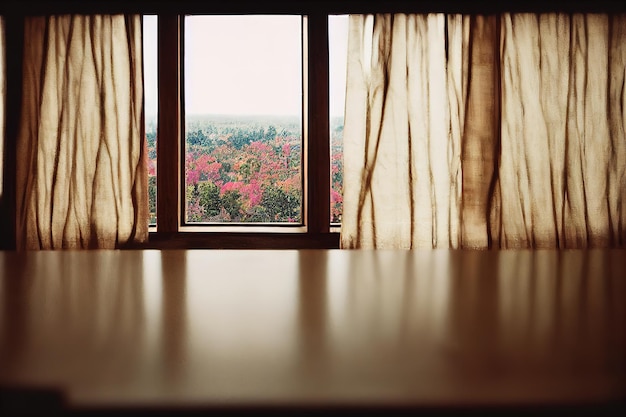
x=338, y=58
x=150, y=64
x=246, y=64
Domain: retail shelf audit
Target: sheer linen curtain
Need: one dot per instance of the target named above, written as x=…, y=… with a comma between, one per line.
x=499, y=131
x=81, y=170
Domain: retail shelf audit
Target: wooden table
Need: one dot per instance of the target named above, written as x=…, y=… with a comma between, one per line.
x=320, y=330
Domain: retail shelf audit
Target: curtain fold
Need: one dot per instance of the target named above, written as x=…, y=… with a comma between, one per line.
x=81, y=171
x=499, y=131
x=480, y=137
x=563, y=151
x=402, y=192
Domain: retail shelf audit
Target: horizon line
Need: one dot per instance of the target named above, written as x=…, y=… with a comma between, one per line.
x=155, y=115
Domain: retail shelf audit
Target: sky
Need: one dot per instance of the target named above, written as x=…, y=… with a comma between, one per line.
x=246, y=64
x=338, y=54
x=150, y=64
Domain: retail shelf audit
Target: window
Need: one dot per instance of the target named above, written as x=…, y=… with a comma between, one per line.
x=233, y=151
x=243, y=119
x=150, y=52
x=337, y=55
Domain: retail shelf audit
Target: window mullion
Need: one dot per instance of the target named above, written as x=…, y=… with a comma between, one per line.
x=318, y=129
x=13, y=51
x=169, y=124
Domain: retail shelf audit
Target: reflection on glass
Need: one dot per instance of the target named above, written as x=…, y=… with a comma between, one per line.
x=242, y=317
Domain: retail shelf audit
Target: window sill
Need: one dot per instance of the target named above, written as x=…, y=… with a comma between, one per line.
x=244, y=228
x=283, y=239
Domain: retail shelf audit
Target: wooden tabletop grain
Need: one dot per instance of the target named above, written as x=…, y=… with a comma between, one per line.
x=313, y=329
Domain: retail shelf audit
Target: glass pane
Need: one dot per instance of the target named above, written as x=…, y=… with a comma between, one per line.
x=151, y=105
x=243, y=119
x=338, y=53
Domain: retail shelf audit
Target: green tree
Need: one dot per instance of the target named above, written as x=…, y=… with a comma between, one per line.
x=151, y=139
x=195, y=211
x=257, y=214
x=196, y=138
x=209, y=195
x=231, y=201
x=279, y=205
x=152, y=199
x=271, y=133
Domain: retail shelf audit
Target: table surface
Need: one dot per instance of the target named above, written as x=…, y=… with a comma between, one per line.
x=307, y=328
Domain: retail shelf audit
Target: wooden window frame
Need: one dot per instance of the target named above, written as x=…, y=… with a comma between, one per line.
x=316, y=133
x=315, y=231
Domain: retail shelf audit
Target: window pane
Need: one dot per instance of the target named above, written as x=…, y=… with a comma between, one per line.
x=243, y=119
x=338, y=53
x=151, y=105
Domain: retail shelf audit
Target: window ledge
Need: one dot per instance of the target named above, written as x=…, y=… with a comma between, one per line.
x=244, y=228
x=240, y=240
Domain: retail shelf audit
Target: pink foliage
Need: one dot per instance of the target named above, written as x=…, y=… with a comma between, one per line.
x=213, y=171
x=151, y=167
x=336, y=205
x=335, y=197
x=231, y=186
x=201, y=168
x=192, y=177
x=252, y=193
x=259, y=148
x=195, y=211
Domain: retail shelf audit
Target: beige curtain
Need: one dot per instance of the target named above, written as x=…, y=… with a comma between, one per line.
x=81, y=171
x=485, y=131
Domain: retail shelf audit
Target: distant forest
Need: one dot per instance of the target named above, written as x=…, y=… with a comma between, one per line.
x=245, y=169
